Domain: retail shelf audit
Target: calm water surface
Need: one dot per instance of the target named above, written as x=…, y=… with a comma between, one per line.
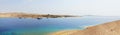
x=29, y=26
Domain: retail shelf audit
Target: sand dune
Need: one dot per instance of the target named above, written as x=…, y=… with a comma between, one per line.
x=111, y=28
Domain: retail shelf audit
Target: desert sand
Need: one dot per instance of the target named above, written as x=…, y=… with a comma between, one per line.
x=110, y=28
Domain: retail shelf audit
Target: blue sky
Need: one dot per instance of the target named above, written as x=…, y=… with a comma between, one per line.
x=72, y=7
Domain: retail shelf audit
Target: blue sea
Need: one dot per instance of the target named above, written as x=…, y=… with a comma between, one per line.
x=45, y=26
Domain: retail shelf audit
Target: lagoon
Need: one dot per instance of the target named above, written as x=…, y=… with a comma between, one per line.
x=44, y=26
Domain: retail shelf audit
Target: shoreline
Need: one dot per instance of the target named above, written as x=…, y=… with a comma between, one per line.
x=26, y=15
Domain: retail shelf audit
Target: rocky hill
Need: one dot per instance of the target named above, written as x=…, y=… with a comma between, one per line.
x=110, y=28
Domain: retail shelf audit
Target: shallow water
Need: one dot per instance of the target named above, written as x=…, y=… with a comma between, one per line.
x=29, y=26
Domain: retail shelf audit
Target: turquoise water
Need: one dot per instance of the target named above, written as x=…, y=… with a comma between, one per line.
x=29, y=26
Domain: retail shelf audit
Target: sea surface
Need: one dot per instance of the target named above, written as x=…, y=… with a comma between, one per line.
x=45, y=26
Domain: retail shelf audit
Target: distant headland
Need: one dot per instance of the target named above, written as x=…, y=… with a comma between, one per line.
x=29, y=15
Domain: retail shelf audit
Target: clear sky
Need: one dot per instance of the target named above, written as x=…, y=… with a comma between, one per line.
x=75, y=7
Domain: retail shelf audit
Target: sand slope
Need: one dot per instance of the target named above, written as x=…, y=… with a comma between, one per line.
x=111, y=28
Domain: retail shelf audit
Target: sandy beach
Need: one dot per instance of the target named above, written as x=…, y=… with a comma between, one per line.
x=110, y=28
